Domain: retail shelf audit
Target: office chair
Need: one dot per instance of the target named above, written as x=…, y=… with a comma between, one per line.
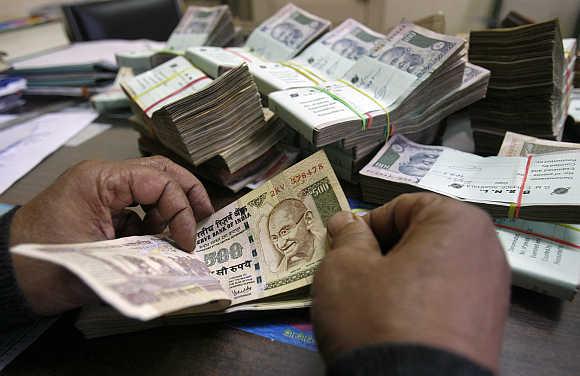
x=122, y=19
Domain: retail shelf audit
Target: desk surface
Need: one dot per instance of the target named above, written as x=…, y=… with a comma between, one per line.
x=542, y=335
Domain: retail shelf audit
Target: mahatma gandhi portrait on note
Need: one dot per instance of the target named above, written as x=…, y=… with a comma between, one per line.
x=293, y=231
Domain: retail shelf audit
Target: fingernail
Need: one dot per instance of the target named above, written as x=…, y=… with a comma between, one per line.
x=339, y=220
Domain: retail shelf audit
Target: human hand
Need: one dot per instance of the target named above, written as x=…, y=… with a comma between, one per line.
x=89, y=203
x=443, y=283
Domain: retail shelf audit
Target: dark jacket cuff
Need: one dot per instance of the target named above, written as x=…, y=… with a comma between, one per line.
x=14, y=307
x=404, y=360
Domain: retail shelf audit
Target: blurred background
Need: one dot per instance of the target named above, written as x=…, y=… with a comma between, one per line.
x=380, y=15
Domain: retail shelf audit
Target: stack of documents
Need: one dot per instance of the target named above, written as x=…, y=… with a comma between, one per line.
x=279, y=38
x=81, y=69
x=537, y=187
x=199, y=26
x=528, y=86
x=11, y=89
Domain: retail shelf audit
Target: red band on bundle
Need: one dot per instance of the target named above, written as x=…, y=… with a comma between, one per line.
x=369, y=120
x=176, y=92
x=238, y=55
x=521, y=193
x=550, y=238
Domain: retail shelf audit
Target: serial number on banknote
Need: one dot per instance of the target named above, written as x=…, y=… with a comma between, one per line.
x=301, y=177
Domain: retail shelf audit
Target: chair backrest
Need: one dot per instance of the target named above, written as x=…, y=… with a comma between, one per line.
x=122, y=19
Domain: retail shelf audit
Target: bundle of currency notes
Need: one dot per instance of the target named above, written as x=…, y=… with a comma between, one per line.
x=114, y=99
x=349, y=156
x=329, y=58
x=199, y=118
x=423, y=126
x=267, y=243
x=413, y=69
x=259, y=162
x=407, y=85
x=199, y=26
x=528, y=81
x=537, y=187
x=557, y=271
x=279, y=38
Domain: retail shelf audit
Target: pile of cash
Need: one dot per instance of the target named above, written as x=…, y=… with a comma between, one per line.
x=279, y=38
x=255, y=170
x=527, y=89
x=537, y=187
x=329, y=58
x=557, y=271
x=406, y=84
x=199, y=118
x=199, y=26
x=256, y=250
x=203, y=26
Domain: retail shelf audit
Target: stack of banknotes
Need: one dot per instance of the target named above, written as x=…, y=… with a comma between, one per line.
x=405, y=83
x=199, y=26
x=258, y=253
x=327, y=59
x=543, y=187
x=528, y=87
x=261, y=160
x=543, y=256
x=278, y=38
x=199, y=118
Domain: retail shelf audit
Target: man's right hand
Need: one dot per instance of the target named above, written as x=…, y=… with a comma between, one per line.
x=444, y=281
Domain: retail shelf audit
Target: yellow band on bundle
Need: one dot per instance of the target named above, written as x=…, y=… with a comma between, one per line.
x=512, y=211
x=176, y=74
x=364, y=93
x=303, y=71
x=569, y=226
x=344, y=102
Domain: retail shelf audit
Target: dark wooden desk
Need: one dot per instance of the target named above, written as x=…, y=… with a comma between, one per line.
x=542, y=335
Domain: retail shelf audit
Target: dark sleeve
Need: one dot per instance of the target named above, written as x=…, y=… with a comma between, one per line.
x=14, y=309
x=404, y=360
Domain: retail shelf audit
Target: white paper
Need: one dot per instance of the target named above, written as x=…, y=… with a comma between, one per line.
x=42, y=136
x=87, y=53
x=92, y=130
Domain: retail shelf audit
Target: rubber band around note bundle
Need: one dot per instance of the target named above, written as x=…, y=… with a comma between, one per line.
x=309, y=74
x=550, y=238
x=171, y=77
x=569, y=226
x=364, y=120
x=241, y=56
x=175, y=92
x=514, y=208
x=367, y=95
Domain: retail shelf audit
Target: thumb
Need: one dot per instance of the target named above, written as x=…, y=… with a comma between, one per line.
x=348, y=230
